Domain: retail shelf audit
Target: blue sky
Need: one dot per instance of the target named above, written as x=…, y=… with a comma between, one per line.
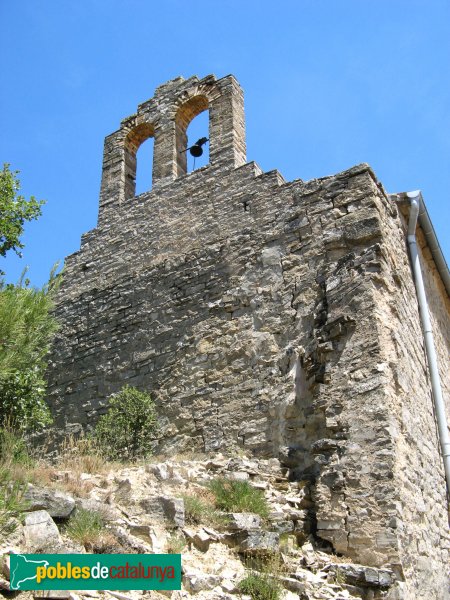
x=328, y=84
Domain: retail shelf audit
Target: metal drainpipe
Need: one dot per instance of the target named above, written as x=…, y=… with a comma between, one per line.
x=444, y=437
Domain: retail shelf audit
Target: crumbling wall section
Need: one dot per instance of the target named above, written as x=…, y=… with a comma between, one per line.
x=354, y=490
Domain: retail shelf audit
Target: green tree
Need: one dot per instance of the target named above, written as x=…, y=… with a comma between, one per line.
x=127, y=431
x=15, y=210
x=26, y=331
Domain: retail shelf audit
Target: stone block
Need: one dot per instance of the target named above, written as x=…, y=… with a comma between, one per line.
x=254, y=542
x=41, y=533
x=196, y=582
x=57, y=504
x=365, y=576
x=247, y=521
x=165, y=508
x=201, y=538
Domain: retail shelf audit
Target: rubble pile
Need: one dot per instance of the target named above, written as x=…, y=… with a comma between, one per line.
x=147, y=509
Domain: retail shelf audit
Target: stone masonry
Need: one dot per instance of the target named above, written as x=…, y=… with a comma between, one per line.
x=276, y=317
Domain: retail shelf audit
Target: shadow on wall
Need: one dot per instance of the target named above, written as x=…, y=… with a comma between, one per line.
x=305, y=420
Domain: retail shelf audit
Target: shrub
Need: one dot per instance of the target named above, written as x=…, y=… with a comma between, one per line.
x=260, y=586
x=239, y=496
x=128, y=429
x=22, y=400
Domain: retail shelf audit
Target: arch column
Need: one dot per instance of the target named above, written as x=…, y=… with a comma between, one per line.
x=119, y=164
x=164, y=152
x=227, y=145
x=112, y=187
x=227, y=149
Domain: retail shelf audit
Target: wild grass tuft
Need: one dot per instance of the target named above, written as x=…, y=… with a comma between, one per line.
x=238, y=496
x=85, y=527
x=260, y=586
x=14, y=465
x=201, y=511
x=13, y=448
x=12, y=503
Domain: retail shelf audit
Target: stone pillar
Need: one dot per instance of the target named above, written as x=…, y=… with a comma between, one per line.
x=119, y=162
x=164, y=152
x=113, y=171
x=227, y=125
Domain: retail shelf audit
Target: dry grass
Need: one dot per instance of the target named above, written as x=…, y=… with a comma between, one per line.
x=76, y=456
x=74, y=485
x=106, y=543
x=205, y=494
x=81, y=455
x=175, y=543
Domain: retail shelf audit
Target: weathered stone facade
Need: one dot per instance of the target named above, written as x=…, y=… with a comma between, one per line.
x=278, y=317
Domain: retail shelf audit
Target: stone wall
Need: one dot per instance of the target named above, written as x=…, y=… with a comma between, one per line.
x=275, y=317
x=421, y=522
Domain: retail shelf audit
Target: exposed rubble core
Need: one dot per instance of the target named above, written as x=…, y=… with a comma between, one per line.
x=275, y=318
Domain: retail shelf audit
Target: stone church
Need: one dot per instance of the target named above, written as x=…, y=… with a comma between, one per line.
x=279, y=318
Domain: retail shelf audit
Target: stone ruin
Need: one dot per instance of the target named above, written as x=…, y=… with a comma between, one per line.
x=279, y=318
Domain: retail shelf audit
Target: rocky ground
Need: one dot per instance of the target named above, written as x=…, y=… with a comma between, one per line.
x=167, y=506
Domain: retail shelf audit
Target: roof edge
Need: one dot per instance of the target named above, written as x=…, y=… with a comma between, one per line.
x=430, y=236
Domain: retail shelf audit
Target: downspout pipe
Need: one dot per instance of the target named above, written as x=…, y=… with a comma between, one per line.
x=415, y=200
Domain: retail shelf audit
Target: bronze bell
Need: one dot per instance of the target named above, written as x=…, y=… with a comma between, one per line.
x=196, y=149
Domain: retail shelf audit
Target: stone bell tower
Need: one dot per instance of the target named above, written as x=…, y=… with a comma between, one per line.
x=166, y=118
x=278, y=318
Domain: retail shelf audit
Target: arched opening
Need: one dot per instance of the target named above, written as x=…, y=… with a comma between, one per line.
x=198, y=128
x=134, y=140
x=144, y=166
